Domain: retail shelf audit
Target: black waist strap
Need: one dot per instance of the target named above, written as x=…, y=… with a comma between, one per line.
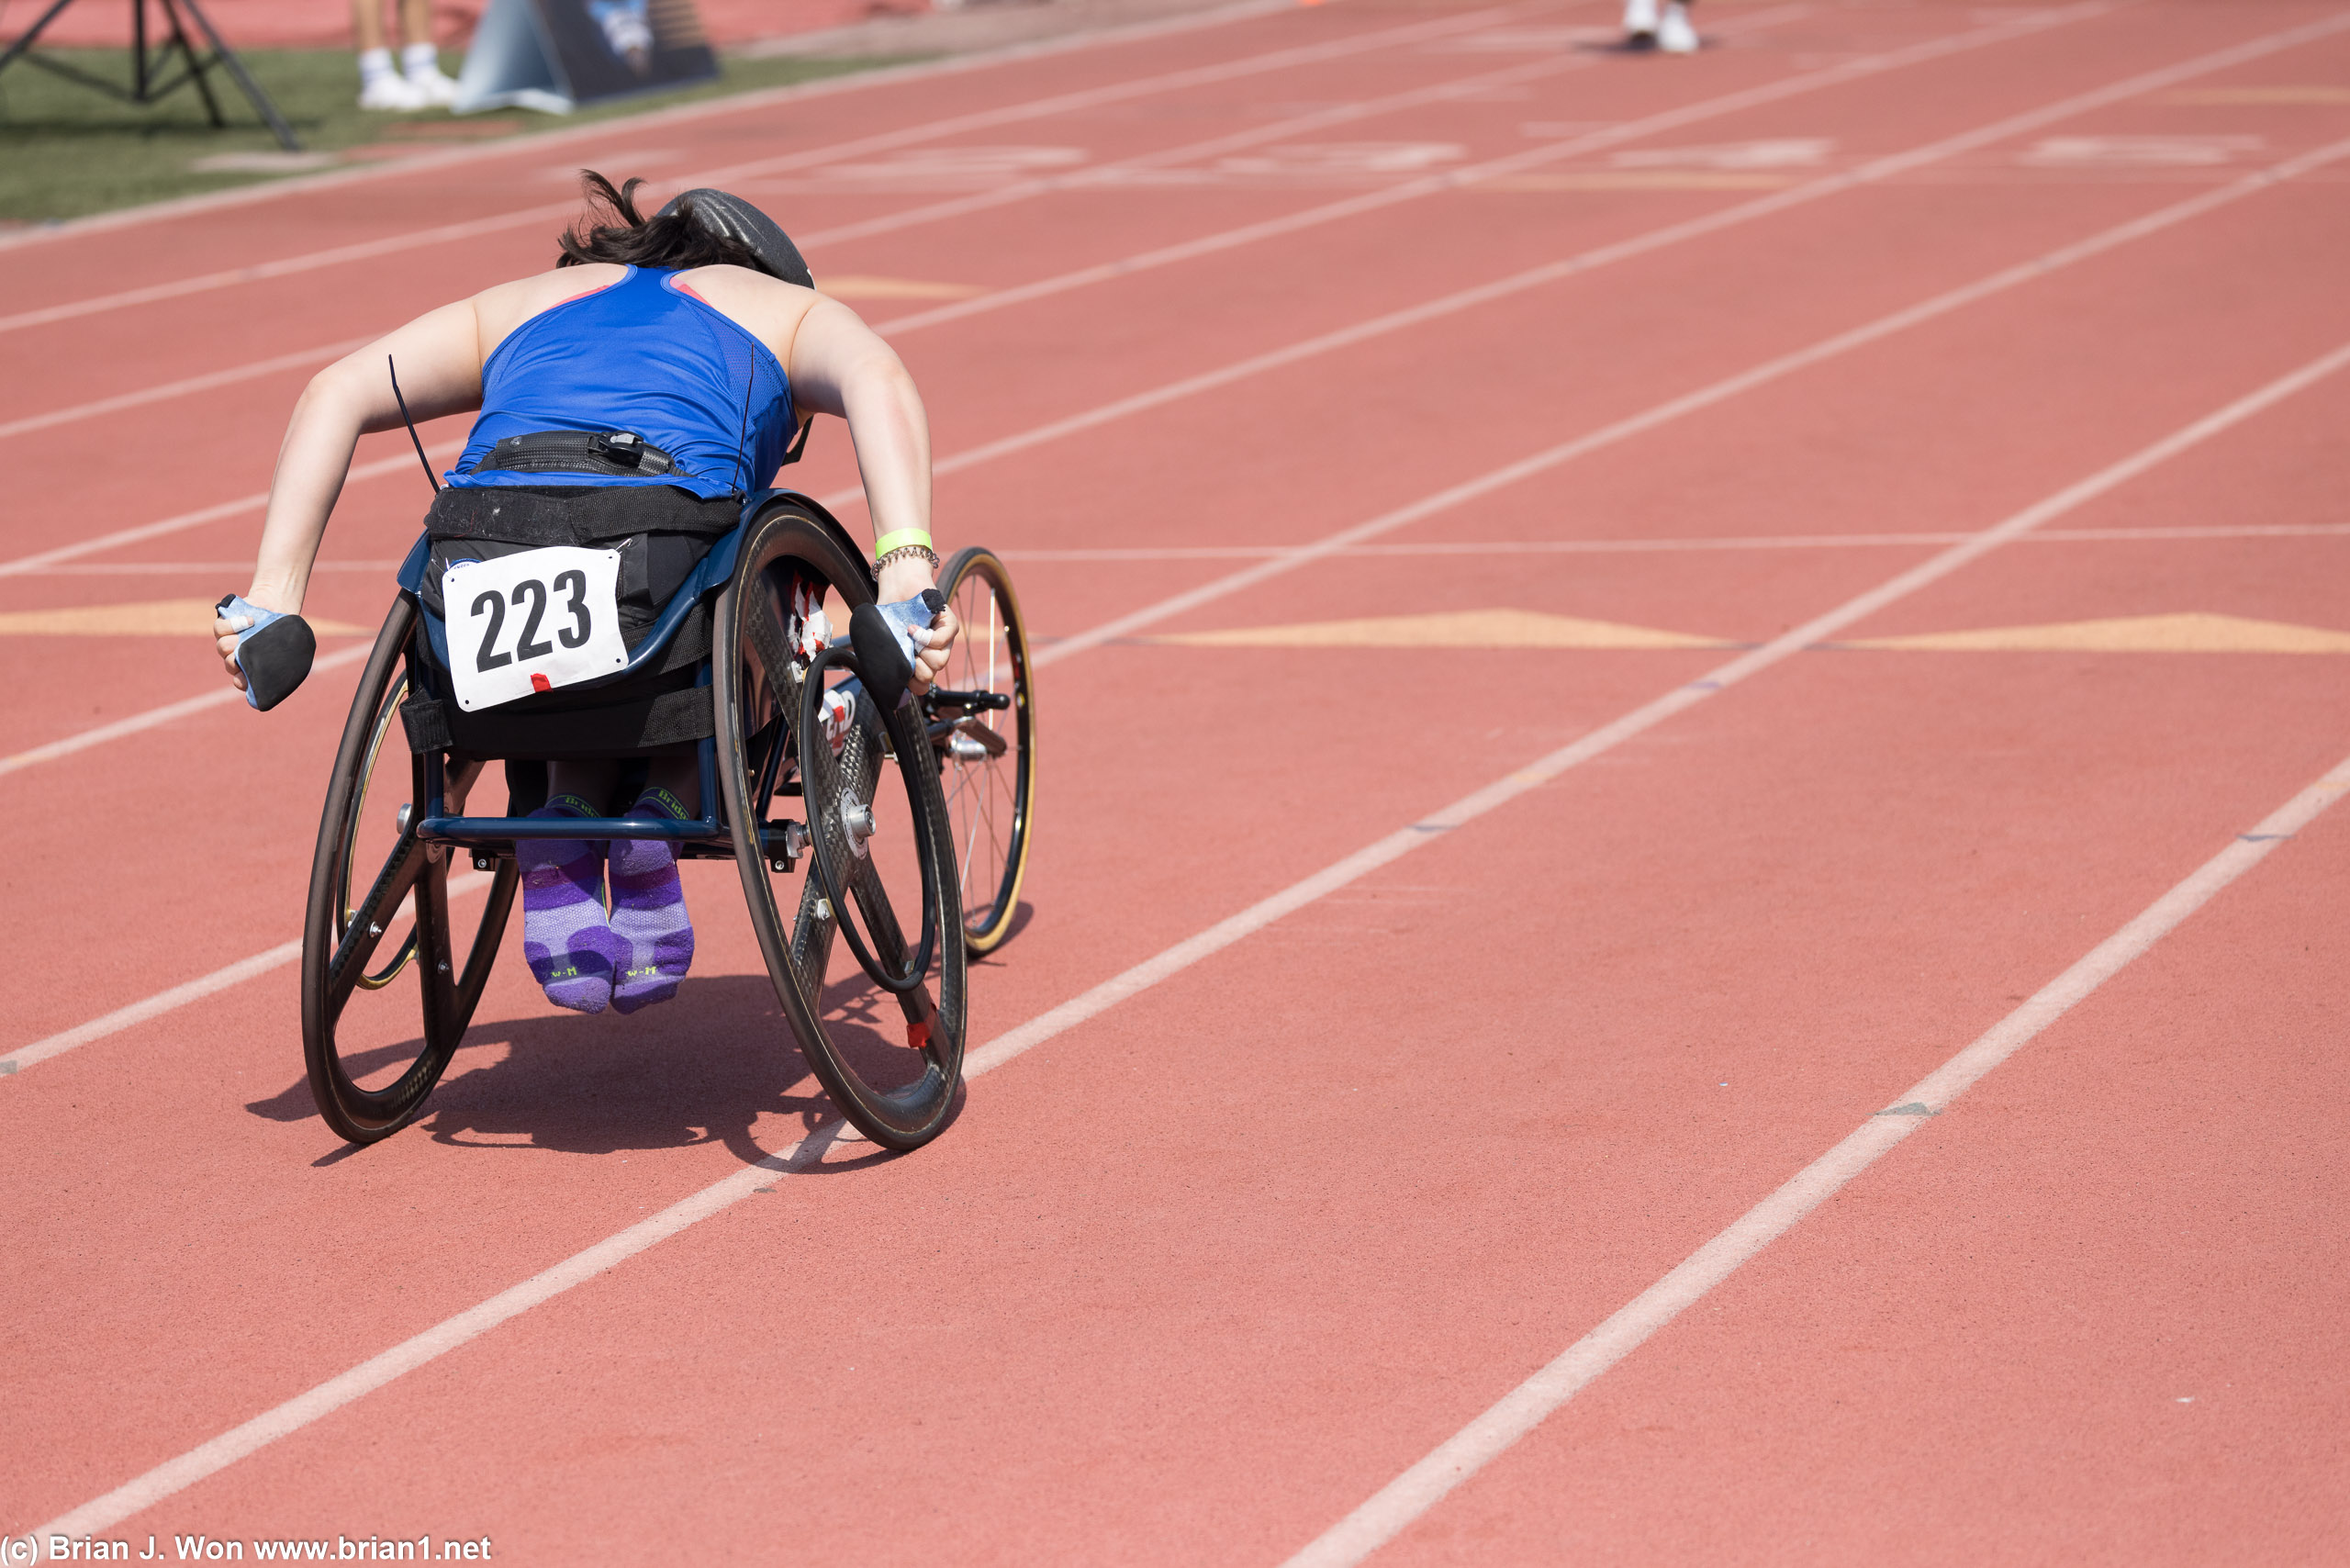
x=575, y=514
x=579, y=451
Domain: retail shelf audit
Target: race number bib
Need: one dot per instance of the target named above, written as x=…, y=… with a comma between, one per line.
x=531, y=623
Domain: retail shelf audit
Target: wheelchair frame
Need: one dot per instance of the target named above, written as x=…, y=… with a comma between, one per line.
x=779, y=531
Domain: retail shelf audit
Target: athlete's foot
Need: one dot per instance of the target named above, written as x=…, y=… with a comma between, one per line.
x=1640, y=23
x=567, y=940
x=1674, y=34
x=649, y=910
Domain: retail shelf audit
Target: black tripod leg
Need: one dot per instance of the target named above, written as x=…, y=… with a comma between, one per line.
x=227, y=57
x=9, y=58
x=197, y=64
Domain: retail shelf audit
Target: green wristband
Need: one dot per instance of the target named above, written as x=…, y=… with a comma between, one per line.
x=899, y=540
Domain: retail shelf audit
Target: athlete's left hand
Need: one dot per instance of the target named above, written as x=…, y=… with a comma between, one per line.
x=906, y=579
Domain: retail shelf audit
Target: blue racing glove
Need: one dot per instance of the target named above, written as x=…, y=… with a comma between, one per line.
x=885, y=638
x=274, y=651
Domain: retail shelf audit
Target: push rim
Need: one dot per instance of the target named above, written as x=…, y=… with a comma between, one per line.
x=988, y=780
x=385, y=713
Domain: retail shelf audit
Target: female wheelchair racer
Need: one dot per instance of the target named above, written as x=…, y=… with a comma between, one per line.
x=630, y=403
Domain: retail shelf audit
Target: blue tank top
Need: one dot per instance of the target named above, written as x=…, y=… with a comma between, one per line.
x=646, y=356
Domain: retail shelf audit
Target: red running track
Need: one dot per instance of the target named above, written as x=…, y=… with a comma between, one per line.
x=1391, y=1021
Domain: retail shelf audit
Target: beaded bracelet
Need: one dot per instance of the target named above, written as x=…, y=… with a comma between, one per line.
x=889, y=544
x=903, y=551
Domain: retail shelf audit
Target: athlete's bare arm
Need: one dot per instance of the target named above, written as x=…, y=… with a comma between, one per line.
x=838, y=365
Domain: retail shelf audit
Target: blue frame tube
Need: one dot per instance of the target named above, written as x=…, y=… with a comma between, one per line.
x=438, y=827
x=711, y=572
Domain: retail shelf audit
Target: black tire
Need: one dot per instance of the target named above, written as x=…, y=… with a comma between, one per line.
x=988, y=777
x=898, y=1091
x=339, y=948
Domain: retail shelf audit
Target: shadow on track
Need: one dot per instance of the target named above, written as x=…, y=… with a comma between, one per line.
x=703, y=1068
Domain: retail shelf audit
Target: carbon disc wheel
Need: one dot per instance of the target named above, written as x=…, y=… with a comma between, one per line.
x=891, y=1058
x=382, y=905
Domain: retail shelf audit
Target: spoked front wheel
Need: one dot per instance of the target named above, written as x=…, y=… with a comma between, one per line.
x=890, y=1055
x=382, y=903
x=982, y=720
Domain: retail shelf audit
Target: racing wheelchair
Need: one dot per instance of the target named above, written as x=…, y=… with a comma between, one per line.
x=908, y=855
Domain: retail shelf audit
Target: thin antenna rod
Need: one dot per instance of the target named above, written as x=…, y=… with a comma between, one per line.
x=412, y=436
x=742, y=439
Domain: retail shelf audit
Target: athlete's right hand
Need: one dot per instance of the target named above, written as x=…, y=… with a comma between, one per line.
x=266, y=651
x=224, y=631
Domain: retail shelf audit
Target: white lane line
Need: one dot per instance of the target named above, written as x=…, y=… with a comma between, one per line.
x=935, y=212
x=193, y=569
x=1402, y=1500
x=156, y=1006
x=176, y=1474
x=1692, y=402
x=180, y=388
x=173, y=525
x=224, y=697
x=533, y=144
x=1294, y=354
x=1144, y=552
x=1584, y=262
x=1731, y=543
x=1280, y=131
x=1301, y=125
x=140, y=533
x=1507, y=475
x=2029, y=24
x=1615, y=733
x=1012, y=114
x=463, y=885
x=1290, y=558
x=1339, y=114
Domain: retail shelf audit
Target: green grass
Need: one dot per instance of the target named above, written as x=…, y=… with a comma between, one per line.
x=67, y=151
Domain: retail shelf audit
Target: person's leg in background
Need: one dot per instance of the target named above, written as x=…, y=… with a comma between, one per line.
x=381, y=86
x=416, y=82
x=420, y=60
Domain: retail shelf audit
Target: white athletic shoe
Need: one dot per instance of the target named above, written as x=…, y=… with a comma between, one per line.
x=1639, y=21
x=1673, y=33
x=436, y=87
x=393, y=92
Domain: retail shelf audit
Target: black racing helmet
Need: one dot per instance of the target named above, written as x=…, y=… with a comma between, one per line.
x=745, y=225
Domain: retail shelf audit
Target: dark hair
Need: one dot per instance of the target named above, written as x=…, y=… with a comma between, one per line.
x=672, y=240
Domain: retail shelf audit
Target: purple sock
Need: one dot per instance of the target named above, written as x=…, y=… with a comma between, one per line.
x=649, y=911
x=572, y=951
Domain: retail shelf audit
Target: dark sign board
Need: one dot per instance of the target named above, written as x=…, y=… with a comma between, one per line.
x=555, y=54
